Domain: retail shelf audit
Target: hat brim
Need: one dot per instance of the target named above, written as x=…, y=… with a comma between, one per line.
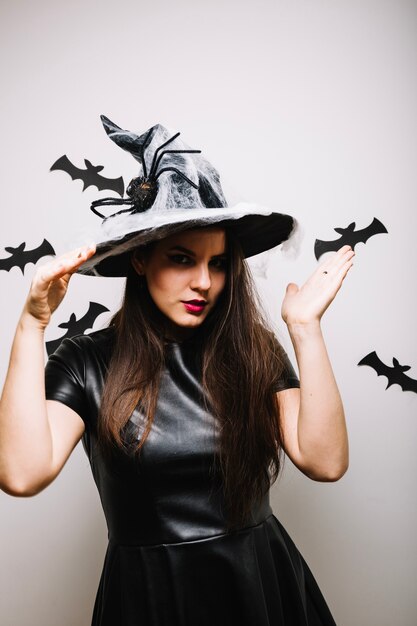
x=258, y=229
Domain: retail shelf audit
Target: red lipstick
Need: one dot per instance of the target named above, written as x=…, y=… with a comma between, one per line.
x=194, y=306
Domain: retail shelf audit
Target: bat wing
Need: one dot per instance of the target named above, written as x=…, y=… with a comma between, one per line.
x=407, y=383
x=33, y=256
x=101, y=182
x=362, y=236
x=64, y=164
x=87, y=321
x=77, y=327
x=114, y=184
x=12, y=261
x=349, y=237
x=89, y=176
x=373, y=360
x=21, y=257
x=320, y=246
x=395, y=374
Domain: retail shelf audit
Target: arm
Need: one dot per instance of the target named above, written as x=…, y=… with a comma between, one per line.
x=312, y=417
x=36, y=436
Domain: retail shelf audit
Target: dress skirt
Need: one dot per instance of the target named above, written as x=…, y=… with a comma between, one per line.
x=253, y=577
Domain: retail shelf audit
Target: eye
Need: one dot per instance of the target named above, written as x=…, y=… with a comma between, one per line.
x=180, y=259
x=219, y=264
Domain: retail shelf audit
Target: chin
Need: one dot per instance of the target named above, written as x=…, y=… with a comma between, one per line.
x=184, y=320
x=190, y=323
x=180, y=329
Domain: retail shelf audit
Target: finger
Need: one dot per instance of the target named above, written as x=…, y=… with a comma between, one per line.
x=342, y=273
x=344, y=254
x=43, y=281
x=344, y=248
x=346, y=267
x=336, y=261
x=62, y=265
x=75, y=257
x=82, y=252
x=292, y=288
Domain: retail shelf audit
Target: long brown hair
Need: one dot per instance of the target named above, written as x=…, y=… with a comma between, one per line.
x=240, y=361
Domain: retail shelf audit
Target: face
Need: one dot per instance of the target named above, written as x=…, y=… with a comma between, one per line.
x=185, y=274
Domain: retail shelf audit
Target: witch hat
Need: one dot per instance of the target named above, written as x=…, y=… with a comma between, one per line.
x=176, y=189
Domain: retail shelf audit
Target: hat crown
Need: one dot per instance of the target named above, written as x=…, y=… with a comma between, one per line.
x=176, y=189
x=186, y=180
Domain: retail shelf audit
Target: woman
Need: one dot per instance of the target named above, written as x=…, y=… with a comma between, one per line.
x=184, y=404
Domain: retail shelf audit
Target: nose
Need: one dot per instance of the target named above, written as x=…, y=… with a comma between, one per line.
x=201, y=279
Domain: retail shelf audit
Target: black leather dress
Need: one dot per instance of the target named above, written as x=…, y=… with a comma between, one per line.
x=169, y=561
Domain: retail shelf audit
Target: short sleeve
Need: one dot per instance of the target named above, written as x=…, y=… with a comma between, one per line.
x=288, y=378
x=65, y=377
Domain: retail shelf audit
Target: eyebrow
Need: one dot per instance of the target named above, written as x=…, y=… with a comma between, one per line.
x=191, y=253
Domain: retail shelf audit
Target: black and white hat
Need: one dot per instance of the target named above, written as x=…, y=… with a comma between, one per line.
x=176, y=189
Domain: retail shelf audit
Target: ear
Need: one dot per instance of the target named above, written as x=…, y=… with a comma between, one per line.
x=137, y=261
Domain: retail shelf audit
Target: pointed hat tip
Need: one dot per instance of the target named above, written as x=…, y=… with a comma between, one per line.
x=106, y=121
x=109, y=126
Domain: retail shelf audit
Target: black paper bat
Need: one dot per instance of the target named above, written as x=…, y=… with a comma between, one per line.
x=21, y=257
x=90, y=176
x=394, y=374
x=77, y=327
x=349, y=236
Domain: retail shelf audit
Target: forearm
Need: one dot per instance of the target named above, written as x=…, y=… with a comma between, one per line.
x=322, y=433
x=25, y=436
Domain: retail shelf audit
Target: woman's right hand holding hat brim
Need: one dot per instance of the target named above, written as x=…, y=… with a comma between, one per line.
x=50, y=283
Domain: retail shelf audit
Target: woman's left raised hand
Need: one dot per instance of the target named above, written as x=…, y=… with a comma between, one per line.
x=306, y=304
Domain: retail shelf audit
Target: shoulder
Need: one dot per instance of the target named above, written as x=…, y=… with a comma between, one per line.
x=97, y=341
x=74, y=370
x=75, y=353
x=98, y=338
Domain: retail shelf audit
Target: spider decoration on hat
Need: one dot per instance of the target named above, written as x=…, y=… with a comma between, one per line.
x=142, y=190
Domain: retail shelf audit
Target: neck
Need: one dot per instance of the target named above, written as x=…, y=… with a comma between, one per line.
x=173, y=332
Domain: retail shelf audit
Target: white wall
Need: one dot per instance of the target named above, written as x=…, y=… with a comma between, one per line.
x=304, y=105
